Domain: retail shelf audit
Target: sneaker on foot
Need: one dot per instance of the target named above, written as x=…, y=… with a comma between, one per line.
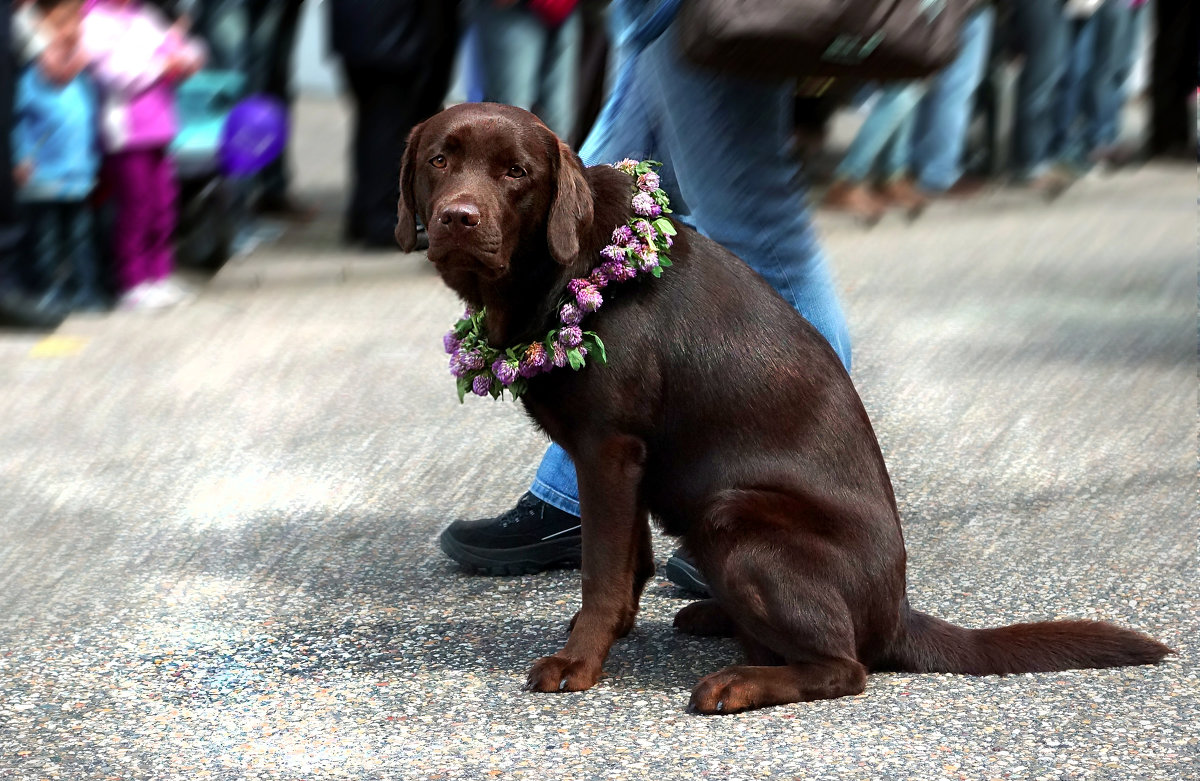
x=140, y=298
x=683, y=572
x=171, y=293
x=531, y=537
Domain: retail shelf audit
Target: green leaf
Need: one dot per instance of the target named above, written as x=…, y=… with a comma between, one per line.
x=656, y=271
x=664, y=261
x=463, y=385
x=598, y=346
x=664, y=227
x=575, y=359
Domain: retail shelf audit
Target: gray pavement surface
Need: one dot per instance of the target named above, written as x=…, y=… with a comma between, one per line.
x=218, y=553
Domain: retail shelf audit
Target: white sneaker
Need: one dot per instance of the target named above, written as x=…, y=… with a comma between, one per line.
x=141, y=298
x=168, y=292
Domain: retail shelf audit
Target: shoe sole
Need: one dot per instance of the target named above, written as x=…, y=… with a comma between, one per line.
x=527, y=560
x=685, y=575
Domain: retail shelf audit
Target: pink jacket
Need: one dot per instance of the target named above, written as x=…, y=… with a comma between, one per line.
x=129, y=44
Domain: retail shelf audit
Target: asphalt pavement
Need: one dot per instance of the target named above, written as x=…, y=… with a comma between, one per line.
x=218, y=554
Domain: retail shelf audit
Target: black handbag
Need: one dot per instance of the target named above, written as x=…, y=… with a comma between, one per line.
x=868, y=40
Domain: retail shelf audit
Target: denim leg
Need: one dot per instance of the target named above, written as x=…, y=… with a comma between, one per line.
x=896, y=160
x=894, y=104
x=944, y=113
x=1042, y=29
x=511, y=41
x=559, y=76
x=1116, y=41
x=556, y=483
x=81, y=250
x=43, y=274
x=1067, y=142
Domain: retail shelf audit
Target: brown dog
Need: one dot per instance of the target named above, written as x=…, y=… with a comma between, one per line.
x=722, y=413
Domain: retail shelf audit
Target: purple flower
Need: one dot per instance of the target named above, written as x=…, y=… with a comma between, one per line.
x=560, y=355
x=481, y=385
x=570, y=314
x=644, y=205
x=456, y=366
x=468, y=313
x=648, y=182
x=668, y=238
x=626, y=165
x=645, y=230
x=471, y=361
x=575, y=285
x=619, y=271
x=589, y=299
x=647, y=258
x=613, y=251
x=571, y=336
x=451, y=342
x=598, y=278
x=505, y=371
x=534, y=361
x=622, y=235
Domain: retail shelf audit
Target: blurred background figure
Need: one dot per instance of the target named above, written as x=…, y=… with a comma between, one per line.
x=1174, y=78
x=529, y=56
x=273, y=25
x=396, y=58
x=943, y=116
x=880, y=153
x=18, y=308
x=137, y=59
x=57, y=159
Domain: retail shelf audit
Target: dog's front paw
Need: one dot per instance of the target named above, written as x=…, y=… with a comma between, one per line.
x=562, y=674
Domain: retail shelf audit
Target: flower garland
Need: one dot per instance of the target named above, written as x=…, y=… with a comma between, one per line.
x=638, y=247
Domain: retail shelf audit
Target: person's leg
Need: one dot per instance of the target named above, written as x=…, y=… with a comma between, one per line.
x=81, y=243
x=705, y=116
x=1067, y=144
x=44, y=275
x=1042, y=31
x=131, y=176
x=895, y=164
x=559, y=76
x=894, y=104
x=276, y=178
x=1114, y=52
x=940, y=133
x=511, y=42
x=1173, y=76
x=163, y=192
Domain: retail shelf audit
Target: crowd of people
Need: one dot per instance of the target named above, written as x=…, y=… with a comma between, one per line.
x=90, y=211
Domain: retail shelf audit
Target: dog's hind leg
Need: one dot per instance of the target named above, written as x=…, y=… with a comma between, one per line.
x=778, y=582
x=705, y=618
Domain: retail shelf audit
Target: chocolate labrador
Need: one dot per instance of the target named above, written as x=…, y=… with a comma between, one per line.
x=720, y=412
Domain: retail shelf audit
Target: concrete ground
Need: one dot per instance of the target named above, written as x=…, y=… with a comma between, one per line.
x=218, y=524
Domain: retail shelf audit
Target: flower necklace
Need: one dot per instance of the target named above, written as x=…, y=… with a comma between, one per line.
x=638, y=247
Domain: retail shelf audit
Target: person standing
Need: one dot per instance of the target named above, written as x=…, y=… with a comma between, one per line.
x=529, y=50
x=396, y=58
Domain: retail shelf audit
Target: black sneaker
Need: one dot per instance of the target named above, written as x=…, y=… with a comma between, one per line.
x=529, y=538
x=682, y=571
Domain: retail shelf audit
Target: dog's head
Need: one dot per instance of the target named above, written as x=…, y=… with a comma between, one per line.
x=491, y=182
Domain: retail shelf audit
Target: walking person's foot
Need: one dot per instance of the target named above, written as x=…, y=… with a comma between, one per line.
x=532, y=537
x=903, y=194
x=855, y=199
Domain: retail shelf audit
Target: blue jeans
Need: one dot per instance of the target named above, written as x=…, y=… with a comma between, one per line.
x=1045, y=34
x=63, y=262
x=721, y=141
x=1102, y=50
x=524, y=63
x=941, y=121
x=882, y=145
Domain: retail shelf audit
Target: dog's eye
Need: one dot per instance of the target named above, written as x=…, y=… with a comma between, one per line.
x=516, y=172
x=438, y=162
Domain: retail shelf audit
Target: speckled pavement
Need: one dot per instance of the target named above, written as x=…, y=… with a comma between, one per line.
x=218, y=553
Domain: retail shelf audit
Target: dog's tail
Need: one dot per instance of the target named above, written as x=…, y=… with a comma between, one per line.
x=932, y=645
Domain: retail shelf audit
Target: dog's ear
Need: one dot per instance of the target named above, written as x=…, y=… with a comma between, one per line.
x=406, y=208
x=572, y=211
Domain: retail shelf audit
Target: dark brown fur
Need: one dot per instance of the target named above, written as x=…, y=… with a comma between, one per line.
x=721, y=413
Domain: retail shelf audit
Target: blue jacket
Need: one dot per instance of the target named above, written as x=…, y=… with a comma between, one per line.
x=54, y=129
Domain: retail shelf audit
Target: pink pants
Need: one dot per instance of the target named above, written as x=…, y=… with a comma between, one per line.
x=143, y=187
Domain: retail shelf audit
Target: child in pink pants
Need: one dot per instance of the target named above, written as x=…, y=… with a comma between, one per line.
x=137, y=59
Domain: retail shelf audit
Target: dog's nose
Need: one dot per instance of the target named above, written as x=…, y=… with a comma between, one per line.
x=459, y=214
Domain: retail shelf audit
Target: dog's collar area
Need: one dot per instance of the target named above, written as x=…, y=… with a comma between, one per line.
x=641, y=246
